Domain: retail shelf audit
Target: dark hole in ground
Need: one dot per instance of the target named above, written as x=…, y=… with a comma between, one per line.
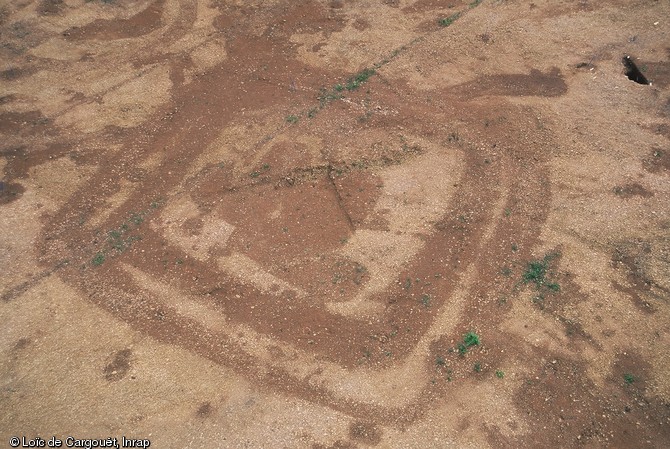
x=633, y=73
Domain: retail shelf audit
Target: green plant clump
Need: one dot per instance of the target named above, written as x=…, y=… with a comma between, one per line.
x=471, y=339
x=98, y=259
x=536, y=272
x=361, y=77
x=425, y=300
x=448, y=20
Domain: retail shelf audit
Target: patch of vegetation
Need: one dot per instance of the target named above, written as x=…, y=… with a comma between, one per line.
x=500, y=374
x=361, y=77
x=158, y=202
x=475, y=3
x=328, y=96
x=628, y=378
x=445, y=22
x=440, y=361
x=292, y=119
x=470, y=339
x=98, y=259
x=137, y=219
x=536, y=272
x=478, y=367
x=425, y=300
x=118, y=240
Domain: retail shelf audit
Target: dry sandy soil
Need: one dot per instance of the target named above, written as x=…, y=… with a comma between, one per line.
x=260, y=224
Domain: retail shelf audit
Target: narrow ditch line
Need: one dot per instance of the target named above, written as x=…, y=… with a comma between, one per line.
x=14, y=292
x=340, y=204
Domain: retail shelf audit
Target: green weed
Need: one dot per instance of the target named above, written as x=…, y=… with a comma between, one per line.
x=536, y=272
x=628, y=378
x=425, y=300
x=98, y=259
x=449, y=20
x=137, y=219
x=358, y=79
x=500, y=374
x=471, y=339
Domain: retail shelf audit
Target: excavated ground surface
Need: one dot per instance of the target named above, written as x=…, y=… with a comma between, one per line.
x=259, y=224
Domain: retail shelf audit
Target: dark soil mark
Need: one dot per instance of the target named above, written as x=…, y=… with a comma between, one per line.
x=140, y=24
x=365, y=432
x=14, y=73
x=535, y=83
x=7, y=98
x=632, y=257
x=10, y=192
x=657, y=161
x=50, y=7
x=22, y=343
x=205, y=410
x=562, y=389
x=119, y=366
x=632, y=189
x=15, y=122
x=21, y=158
x=14, y=292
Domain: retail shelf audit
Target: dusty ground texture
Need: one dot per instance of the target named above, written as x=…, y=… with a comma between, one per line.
x=220, y=230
